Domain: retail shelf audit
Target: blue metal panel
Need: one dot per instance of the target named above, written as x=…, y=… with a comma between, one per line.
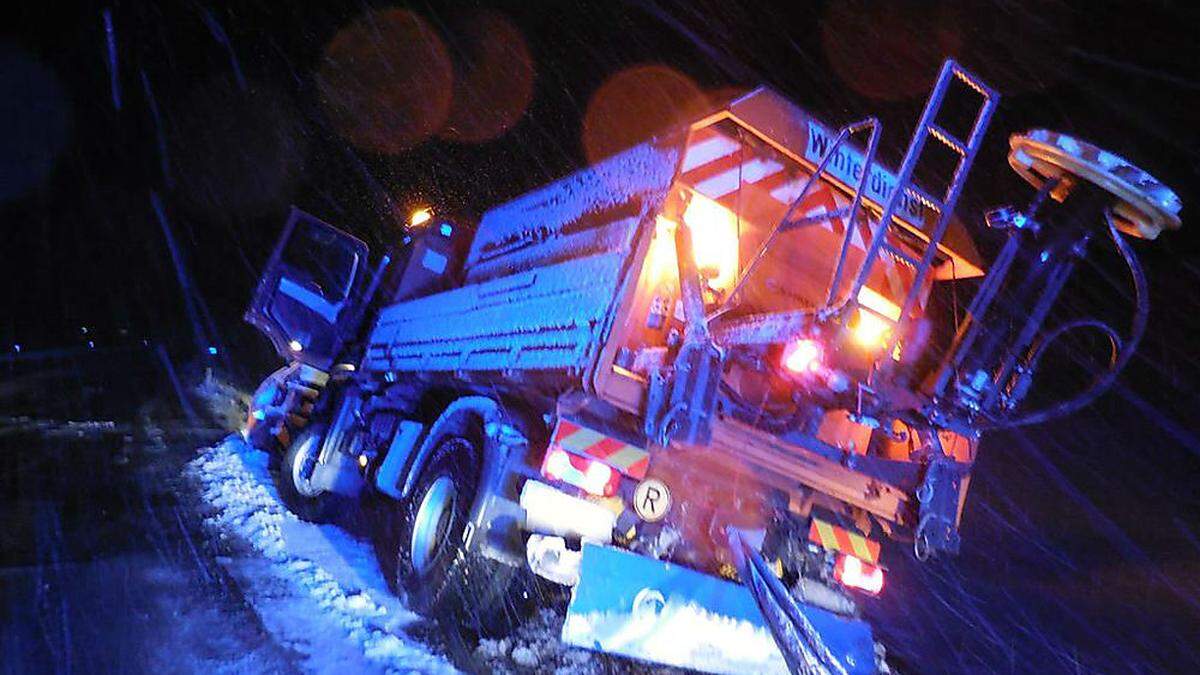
x=543, y=275
x=387, y=477
x=656, y=611
x=548, y=318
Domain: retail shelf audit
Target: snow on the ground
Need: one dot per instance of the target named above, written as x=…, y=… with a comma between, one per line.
x=535, y=647
x=54, y=427
x=320, y=592
x=224, y=403
x=317, y=589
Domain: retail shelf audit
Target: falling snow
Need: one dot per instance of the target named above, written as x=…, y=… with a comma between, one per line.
x=149, y=153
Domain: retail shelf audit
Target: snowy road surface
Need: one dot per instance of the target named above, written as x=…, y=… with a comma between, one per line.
x=320, y=592
x=126, y=550
x=317, y=590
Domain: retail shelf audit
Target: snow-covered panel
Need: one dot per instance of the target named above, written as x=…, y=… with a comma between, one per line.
x=665, y=613
x=549, y=349
x=616, y=235
x=597, y=208
x=546, y=318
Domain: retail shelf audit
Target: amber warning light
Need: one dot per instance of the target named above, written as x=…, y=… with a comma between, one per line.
x=419, y=217
x=802, y=356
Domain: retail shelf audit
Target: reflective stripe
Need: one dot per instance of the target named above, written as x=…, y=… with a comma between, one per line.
x=861, y=549
x=709, y=150
x=628, y=459
x=582, y=440
x=839, y=539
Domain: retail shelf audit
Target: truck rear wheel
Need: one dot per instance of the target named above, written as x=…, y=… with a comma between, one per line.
x=293, y=479
x=441, y=579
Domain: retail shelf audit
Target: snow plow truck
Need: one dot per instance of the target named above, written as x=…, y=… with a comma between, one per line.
x=701, y=383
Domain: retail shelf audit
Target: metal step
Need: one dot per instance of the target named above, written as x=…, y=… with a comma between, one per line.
x=966, y=151
x=948, y=139
x=924, y=198
x=898, y=253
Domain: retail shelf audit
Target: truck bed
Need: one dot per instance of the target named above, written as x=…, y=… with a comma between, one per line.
x=542, y=277
x=546, y=318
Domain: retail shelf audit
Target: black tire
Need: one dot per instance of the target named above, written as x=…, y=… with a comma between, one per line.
x=475, y=595
x=314, y=507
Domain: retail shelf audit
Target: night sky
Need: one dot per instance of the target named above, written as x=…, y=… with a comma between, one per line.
x=207, y=120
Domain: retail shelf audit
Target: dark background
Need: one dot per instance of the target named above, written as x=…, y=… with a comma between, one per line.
x=1082, y=536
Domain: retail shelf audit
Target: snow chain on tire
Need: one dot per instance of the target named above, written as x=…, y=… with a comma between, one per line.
x=466, y=588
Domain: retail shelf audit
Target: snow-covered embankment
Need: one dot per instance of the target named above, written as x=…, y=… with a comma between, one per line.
x=317, y=590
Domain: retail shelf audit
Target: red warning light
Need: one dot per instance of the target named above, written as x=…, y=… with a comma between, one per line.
x=854, y=573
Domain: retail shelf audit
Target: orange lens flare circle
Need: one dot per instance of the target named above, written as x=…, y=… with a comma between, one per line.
x=494, y=78
x=635, y=104
x=386, y=81
x=906, y=46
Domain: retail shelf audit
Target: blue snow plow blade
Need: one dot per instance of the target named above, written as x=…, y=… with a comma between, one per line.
x=655, y=611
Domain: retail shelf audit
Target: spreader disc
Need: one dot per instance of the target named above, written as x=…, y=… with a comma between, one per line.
x=1145, y=206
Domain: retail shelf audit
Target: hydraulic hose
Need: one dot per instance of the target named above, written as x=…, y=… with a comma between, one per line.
x=1122, y=352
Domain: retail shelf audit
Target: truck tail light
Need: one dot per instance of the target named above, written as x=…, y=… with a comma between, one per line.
x=589, y=475
x=854, y=573
x=802, y=356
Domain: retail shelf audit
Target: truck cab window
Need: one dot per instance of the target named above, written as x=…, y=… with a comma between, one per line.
x=320, y=261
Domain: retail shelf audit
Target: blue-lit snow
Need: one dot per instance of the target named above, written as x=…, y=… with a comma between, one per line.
x=686, y=635
x=320, y=591
x=317, y=589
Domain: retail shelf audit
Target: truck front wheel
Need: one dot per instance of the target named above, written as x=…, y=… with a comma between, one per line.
x=440, y=578
x=293, y=479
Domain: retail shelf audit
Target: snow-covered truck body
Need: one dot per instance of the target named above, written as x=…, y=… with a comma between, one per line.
x=707, y=352
x=573, y=288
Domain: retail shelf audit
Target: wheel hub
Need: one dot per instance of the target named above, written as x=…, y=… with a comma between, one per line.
x=302, y=467
x=432, y=523
x=1144, y=205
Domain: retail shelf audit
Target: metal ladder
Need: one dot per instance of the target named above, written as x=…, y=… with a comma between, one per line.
x=926, y=128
